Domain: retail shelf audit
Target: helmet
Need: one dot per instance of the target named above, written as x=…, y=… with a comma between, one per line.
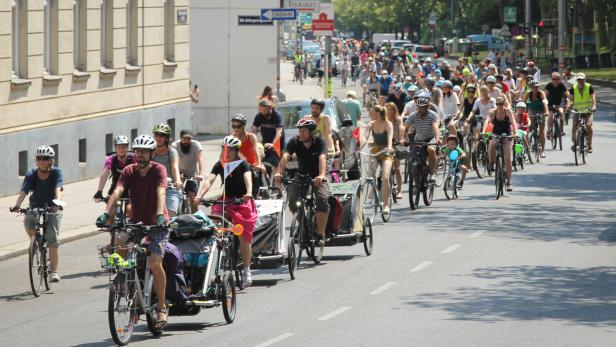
x=490, y=79
x=422, y=101
x=524, y=71
x=120, y=140
x=457, y=89
x=428, y=59
x=439, y=83
x=580, y=76
x=306, y=123
x=144, y=142
x=447, y=84
x=429, y=81
x=240, y=118
x=231, y=141
x=466, y=71
x=424, y=93
x=162, y=128
x=318, y=102
x=438, y=72
x=45, y=151
x=520, y=104
x=534, y=83
x=413, y=88
x=471, y=86
x=452, y=136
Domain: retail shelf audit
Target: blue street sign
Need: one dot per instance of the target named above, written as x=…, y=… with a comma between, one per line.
x=268, y=14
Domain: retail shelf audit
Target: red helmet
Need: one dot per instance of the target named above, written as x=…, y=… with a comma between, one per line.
x=306, y=123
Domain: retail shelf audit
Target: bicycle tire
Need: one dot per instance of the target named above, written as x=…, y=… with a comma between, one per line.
x=447, y=188
x=583, y=145
x=536, y=145
x=151, y=309
x=296, y=233
x=368, y=237
x=122, y=334
x=370, y=200
x=227, y=297
x=576, y=149
x=46, y=267
x=291, y=259
x=499, y=177
x=414, y=188
x=441, y=171
x=428, y=194
x=474, y=162
x=394, y=187
x=554, y=139
x=455, y=187
x=406, y=171
x=36, y=268
x=528, y=155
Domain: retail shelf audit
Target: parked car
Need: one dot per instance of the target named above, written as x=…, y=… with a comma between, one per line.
x=490, y=42
x=292, y=111
x=422, y=51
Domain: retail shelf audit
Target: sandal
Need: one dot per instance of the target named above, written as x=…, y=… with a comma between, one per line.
x=161, y=321
x=399, y=196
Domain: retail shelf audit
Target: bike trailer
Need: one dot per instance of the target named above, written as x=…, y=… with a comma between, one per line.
x=269, y=240
x=349, y=217
x=196, y=252
x=188, y=226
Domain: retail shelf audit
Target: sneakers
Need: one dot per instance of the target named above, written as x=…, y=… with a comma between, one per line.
x=509, y=188
x=54, y=278
x=460, y=184
x=431, y=178
x=542, y=155
x=320, y=240
x=246, y=278
x=573, y=148
x=386, y=211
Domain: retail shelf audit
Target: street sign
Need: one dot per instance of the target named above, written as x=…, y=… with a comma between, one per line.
x=305, y=18
x=432, y=18
x=323, y=26
x=511, y=14
x=268, y=14
x=303, y=5
x=252, y=20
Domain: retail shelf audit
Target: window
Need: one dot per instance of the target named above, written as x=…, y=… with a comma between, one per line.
x=51, y=37
x=19, y=12
x=109, y=143
x=56, y=149
x=133, y=134
x=23, y=163
x=171, y=123
x=131, y=33
x=80, y=19
x=107, y=34
x=83, y=150
x=170, y=30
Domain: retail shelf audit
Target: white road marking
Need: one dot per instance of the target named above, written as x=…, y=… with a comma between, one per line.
x=335, y=313
x=383, y=288
x=421, y=266
x=275, y=340
x=476, y=234
x=451, y=248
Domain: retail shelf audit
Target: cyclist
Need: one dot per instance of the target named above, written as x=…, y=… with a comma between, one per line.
x=269, y=121
x=481, y=108
x=248, y=148
x=324, y=125
x=536, y=101
x=168, y=157
x=503, y=122
x=583, y=96
x=491, y=83
x=370, y=86
x=382, y=131
x=237, y=185
x=557, y=94
x=311, y=154
x=114, y=164
x=425, y=122
x=192, y=163
x=147, y=182
x=298, y=59
x=398, y=124
x=44, y=184
x=451, y=105
x=523, y=121
x=385, y=83
x=452, y=145
x=466, y=107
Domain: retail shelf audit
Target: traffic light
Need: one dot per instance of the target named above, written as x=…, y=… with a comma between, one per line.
x=541, y=24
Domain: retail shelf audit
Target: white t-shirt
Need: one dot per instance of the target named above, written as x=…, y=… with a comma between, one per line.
x=484, y=109
x=451, y=104
x=410, y=108
x=496, y=93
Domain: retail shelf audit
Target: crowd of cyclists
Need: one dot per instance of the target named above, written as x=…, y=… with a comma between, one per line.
x=409, y=100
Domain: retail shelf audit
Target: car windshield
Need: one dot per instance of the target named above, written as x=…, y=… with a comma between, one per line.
x=292, y=113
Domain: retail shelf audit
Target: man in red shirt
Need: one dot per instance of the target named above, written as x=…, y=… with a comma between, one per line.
x=147, y=182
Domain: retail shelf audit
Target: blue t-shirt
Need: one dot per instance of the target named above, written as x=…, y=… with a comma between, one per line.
x=43, y=191
x=385, y=83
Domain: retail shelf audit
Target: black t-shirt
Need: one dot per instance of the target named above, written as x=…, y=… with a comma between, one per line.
x=307, y=158
x=555, y=94
x=400, y=101
x=268, y=126
x=235, y=187
x=457, y=81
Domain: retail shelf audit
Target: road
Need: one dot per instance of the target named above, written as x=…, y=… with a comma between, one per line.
x=535, y=268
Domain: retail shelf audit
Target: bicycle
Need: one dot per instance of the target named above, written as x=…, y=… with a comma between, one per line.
x=373, y=196
x=580, y=149
x=556, y=130
x=453, y=176
x=479, y=156
x=499, y=172
x=419, y=184
x=302, y=230
x=38, y=257
x=519, y=152
x=534, y=140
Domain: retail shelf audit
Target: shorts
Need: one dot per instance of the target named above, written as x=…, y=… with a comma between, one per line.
x=321, y=196
x=477, y=123
x=244, y=214
x=53, y=226
x=271, y=157
x=157, y=241
x=191, y=186
x=383, y=157
x=174, y=198
x=589, y=118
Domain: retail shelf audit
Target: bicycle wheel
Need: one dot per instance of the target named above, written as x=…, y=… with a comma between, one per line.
x=415, y=183
x=456, y=180
x=554, y=139
x=394, y=187
x=582, y=143
x=441, y=171
x=428, y=194
x=406, y=171
x=150, y=314
x=367, y=237
x=498, y=177
x=46, y=267
x=226, y=296
x=291, y=258
x=448, y=188
x=536, y=146
x=36, y=269
x=296, y=234
x=370, y=200
x=121, y=310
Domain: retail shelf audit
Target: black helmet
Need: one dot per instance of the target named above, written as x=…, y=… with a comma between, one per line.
x=318, y=102
x=306, y=123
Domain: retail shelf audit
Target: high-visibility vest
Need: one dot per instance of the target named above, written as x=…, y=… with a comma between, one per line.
x=581, y=102
x=298, y=58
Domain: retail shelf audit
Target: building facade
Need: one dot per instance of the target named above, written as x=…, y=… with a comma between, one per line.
x=76, y=73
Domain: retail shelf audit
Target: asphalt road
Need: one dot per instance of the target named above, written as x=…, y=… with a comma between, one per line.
x=535, y=268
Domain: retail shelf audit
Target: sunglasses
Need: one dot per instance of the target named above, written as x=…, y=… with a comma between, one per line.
x=555, y=79
x=159, y=135
x=237, y=126
x=499, y=104
x=42, y=158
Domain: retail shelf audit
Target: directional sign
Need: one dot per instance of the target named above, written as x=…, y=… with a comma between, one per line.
x=268, y=14
x=323, y=26
x=252, y=20
x=432, y=18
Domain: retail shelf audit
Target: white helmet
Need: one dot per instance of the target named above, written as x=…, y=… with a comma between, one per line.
x=490, y=79
x=239, y=118
x=580, y=76
x=231, y=141
x=45, y=151
x=120, y=140
x=520, y=104
x=144, y=142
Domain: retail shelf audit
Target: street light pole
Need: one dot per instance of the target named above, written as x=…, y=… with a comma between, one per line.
x=279, y=93
x=528, y=29
x=561, y=35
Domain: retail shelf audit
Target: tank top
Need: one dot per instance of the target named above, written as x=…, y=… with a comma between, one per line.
x=247, y=149
x=468, y=106
x=535, y=105
x=380, y=139
x=501, y=126
x=320, y=132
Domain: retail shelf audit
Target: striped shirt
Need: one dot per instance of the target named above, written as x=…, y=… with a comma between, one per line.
x=423, y=125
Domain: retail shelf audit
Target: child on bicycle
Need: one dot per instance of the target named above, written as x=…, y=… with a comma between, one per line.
x=523, y=121
x=452, y=145
x=238, y=184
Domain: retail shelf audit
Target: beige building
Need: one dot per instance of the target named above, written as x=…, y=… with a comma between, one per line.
x=76, y=73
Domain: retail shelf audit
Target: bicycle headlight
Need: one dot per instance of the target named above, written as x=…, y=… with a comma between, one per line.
x=298, y=203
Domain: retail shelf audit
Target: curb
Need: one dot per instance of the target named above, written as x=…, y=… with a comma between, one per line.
x=67, y=239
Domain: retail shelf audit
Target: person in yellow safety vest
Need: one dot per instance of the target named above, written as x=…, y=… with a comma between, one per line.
x=583, y=96
x=298, y=59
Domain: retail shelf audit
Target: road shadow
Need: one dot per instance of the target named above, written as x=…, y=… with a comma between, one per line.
x=571, y=186
x=93, y=274
x=18, y=297
x=576, y=295
x=268, y=283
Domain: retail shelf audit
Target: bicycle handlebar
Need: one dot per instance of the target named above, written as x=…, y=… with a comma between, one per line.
x=32, y=209
x=384, y=151
x=208, y=203
x=130, y=227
